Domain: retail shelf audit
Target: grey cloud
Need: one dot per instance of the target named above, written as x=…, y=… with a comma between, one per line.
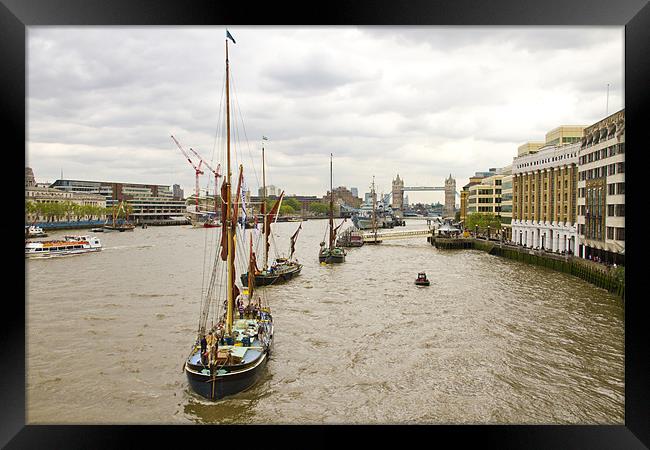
x=108, y=98
x=530, y=39
x=313, y=74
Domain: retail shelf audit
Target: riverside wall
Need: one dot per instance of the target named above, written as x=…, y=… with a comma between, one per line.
x=609, y=278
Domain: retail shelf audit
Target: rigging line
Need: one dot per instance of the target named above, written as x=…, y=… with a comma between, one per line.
x=245, y=135
x=219, y=129
x=219, y=292
x=204, y=300
x=235, y=130
x=274, y=245
x=221, y=295
x=209, y=294
x=206, y=250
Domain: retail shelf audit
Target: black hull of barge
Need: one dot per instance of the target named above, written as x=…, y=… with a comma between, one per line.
x=219, y=386
x=331, y=259
x=265, y=280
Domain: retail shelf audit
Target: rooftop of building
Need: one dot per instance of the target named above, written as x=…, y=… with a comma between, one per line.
x=94, y=182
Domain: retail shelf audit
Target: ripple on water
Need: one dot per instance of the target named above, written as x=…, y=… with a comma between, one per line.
x=490, y=341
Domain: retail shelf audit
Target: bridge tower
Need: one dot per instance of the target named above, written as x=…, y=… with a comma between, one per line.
x=398, y=193
x=450, y=197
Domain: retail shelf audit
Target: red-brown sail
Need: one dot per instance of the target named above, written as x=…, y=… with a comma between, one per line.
x=293, y=240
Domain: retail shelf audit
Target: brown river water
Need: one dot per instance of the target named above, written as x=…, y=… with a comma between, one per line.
x=491, y=341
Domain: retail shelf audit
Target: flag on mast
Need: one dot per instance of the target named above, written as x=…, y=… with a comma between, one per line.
x=264, y=138
x=229, y=36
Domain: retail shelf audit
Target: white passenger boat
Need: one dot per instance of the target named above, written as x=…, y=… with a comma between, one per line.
x=69, y=245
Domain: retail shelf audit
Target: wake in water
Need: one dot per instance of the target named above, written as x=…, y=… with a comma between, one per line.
x=128, y=247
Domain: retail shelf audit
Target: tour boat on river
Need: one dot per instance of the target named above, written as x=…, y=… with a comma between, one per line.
x=68, y=246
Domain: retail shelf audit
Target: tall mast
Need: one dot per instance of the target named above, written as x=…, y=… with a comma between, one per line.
x=231, y=261
x=374, y=208
x=266, y=236
x=331, y=206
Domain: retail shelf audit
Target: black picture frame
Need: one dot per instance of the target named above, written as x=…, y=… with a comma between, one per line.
x=16, y=15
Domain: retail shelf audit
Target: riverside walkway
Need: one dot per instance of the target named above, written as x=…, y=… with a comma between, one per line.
x=604, y=276
x=369, y=236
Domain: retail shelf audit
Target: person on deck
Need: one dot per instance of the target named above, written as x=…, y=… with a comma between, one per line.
x=210, y=340
x=214, y=351
x=241, y=311
x=204, y=346
x=204, y=343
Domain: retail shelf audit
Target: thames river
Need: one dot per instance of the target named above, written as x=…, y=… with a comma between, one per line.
x=491, y=341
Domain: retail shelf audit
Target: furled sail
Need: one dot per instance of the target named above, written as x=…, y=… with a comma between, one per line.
x=224, y=215
x=293, y=240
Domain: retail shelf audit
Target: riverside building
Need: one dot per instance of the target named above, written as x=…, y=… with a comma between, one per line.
x=150, y=203
x=464, y=194
x=35, y=192
x=544, y=193
x=601, y=190
x=506, y=202
x=485, y=196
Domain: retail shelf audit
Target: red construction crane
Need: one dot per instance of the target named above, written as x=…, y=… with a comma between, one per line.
x=216, y=173
x=197, y=171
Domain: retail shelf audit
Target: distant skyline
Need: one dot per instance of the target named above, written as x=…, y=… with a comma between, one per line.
x=423, y=102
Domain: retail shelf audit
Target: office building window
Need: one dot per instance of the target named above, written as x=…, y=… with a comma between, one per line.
x=620, y=234
x=611, y=188
x=620, y=167
x=620, y=188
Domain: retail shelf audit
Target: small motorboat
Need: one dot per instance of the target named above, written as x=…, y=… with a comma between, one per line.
x=421, y=280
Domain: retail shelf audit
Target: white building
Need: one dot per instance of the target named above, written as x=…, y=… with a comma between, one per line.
x=544, y=198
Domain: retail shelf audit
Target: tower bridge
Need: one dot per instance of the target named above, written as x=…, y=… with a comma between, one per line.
x=449, y=188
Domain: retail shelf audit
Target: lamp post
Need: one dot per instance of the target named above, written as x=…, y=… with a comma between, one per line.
x=488, y=232
x=476, y=231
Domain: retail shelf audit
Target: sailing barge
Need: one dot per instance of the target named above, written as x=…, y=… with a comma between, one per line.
x=331, y=253
x=229, y=356
x=282, y=269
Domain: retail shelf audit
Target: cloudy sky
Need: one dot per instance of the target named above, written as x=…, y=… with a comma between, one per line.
x=423, y=102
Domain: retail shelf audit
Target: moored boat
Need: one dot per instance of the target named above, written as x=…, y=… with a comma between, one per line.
x=120, y=224
x=331, y=253
x=68, y=246
x=351, y=237
x=282, y=269
x=120, y=227
x=33, y=231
